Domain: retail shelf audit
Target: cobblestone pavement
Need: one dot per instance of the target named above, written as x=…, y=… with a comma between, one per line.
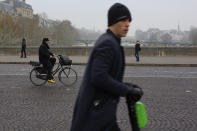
x=171, y=104
x=185, y=61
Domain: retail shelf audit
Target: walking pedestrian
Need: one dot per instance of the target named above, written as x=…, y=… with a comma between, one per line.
x=102, y=85
x=23, y=48
x=137, y=50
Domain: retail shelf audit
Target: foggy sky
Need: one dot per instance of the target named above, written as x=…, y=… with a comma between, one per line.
x=92, y=14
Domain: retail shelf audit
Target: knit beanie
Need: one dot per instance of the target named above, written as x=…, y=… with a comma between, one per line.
x=118, y=12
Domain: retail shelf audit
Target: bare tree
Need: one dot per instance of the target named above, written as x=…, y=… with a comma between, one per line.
x=64, y=33
x=193, y=35
x=140, y=35
x=14, y=28
x=166, y=38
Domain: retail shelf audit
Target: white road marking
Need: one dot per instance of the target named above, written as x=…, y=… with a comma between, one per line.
x=13, y=74
x=126, y=76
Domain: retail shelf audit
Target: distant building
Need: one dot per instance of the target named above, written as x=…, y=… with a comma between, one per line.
x=16, y=8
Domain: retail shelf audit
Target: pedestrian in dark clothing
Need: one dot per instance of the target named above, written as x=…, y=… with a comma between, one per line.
x=47, y=59
x=23, y=48
x=96, y=104
x=137, y=50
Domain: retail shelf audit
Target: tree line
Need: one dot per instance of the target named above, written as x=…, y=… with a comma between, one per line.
x=14, y=28
x=63, y=33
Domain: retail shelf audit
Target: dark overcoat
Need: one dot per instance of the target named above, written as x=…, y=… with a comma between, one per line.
x=24, y=44
x=96, y=104
x=137, y=48
x=44, y=54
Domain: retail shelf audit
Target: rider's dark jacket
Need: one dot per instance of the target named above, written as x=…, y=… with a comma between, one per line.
x=44, y=53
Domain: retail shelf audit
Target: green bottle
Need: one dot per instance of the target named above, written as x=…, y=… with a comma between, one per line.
x=141, y=114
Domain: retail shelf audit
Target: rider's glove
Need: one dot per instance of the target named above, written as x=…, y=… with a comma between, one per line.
x=135, y=92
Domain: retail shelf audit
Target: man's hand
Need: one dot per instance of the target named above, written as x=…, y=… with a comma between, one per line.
x=135, y=92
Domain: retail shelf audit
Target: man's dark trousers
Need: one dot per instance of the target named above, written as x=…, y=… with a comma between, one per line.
x=137, y=56
x=49, y=66
x=23, y=51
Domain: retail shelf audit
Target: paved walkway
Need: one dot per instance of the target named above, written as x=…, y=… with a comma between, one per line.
x=130, y=61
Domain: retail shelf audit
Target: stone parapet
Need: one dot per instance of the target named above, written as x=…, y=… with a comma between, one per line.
x=85, y=51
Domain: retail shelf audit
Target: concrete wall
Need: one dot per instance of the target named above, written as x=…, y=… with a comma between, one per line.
x=164, y=51
x=74, y=51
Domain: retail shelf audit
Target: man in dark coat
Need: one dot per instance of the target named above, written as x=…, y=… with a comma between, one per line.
x=96, y=104
x=137, y=50
x=23, y=48
x=47, y=59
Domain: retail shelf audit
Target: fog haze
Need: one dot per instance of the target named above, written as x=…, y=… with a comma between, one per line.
x=92, y=14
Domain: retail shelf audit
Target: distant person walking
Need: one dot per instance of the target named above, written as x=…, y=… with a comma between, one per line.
x=102, y=85
x=23, y=48
x=137, y=50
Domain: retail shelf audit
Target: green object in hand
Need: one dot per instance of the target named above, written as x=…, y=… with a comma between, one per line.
x=141, y=115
